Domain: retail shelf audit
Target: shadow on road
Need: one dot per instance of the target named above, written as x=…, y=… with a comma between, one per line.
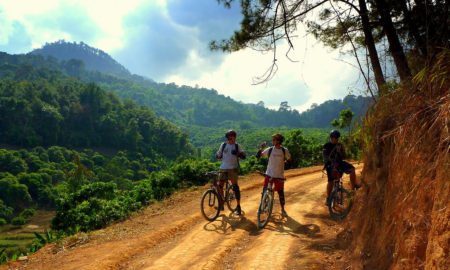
x=231, y=222
x=288, y=225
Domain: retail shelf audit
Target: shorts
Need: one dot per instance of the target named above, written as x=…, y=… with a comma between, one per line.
x=342, y=167
x=278, y=183
x=229, y=174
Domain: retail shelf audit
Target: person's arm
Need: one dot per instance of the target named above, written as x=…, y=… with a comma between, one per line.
x=263, y=153
x=241, y=153
x=326, y=155
x=288, y=156
x=219, y=152
x=343, y=154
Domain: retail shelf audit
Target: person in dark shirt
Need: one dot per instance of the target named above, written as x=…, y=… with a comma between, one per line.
x=333, y=155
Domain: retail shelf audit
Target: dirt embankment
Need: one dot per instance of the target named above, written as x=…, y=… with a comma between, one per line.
x=403, y=218
x=173, y=235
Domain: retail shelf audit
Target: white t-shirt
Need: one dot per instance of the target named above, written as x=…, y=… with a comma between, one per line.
x=229, y=161
x=275, y=167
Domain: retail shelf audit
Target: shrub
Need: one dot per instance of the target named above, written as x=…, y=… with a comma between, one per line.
x=3, y=221
x=18, y=221
x=27, y=213
x=163, y=183
x=192, y=171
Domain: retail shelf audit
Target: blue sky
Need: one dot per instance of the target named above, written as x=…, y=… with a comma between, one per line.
x=167, y=40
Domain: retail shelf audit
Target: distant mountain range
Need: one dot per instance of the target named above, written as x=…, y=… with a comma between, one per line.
x=183, y=105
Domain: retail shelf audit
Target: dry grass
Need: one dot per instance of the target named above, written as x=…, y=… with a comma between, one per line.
x=401, y=221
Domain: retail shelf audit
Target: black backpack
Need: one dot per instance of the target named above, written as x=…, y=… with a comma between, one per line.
x=282, y=148
x=287, y=165
x=225, y=145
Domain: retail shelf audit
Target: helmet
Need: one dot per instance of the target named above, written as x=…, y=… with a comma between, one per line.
x=278, y=137
x=335, y=134
x=230, y=133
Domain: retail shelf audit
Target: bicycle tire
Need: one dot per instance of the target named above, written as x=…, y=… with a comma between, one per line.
x=230, y=198
x=340, y=203
x=211, y=198
x=265, y=206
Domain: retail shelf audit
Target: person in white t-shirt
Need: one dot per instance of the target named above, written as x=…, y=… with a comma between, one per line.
x=277, y=155
x=230, y=152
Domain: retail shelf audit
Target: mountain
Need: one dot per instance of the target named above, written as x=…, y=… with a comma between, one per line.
x=184, y=105
x=93, y=59
x=40, y=106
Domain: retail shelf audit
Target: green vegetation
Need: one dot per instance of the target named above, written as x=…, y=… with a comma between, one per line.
x=186, y=106
x=71, y=146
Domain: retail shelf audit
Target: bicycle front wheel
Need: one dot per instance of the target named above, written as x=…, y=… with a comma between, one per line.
x=230, y=198
x=210, y=205
x=265, y=209
x=340, y=203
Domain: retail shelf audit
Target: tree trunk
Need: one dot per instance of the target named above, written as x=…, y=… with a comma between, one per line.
x=370, y=43
x=413, y=30
x=395, y=47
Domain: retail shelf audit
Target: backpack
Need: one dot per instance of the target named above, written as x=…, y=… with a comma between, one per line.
x=225, y=145
x=282, y=148
x=287, y=165
x=237, y=153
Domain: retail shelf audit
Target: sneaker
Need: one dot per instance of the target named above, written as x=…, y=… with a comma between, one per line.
x=284, y=213
x=238, y=210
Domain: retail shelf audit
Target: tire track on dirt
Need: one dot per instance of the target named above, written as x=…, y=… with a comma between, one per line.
x=208, y=243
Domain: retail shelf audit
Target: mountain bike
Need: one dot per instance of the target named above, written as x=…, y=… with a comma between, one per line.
x=213, y=200
x=340, y=200
x=266, y=205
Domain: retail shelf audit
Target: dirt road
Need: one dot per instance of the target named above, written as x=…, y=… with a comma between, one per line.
x=173, y=235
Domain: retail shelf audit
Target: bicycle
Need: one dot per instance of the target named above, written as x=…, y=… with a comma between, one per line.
x=213, y=200
x=266, y=205
x=340, y=200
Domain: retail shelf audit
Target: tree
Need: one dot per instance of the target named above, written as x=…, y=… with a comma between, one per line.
x=344, y=120
x=284, y=107
x=265, y=23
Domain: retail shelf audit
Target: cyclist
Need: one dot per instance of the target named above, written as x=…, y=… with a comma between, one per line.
x=333, y=155
x=277, y=155
x=230, y=152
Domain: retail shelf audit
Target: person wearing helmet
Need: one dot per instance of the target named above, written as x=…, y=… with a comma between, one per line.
x=277, y=155
x=334, y=154
x=229, y=153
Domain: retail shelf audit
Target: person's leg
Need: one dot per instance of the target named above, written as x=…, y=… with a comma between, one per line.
x=350, y=169
x=329, y=184
x=353, y=179
x=236, y=190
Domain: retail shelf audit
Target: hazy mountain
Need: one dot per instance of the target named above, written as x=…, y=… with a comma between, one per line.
x=93, y=59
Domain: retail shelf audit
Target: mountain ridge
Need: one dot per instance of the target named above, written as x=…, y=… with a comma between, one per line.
x=185, y=105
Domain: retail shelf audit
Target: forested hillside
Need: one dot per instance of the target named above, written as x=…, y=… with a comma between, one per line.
x=43, y=107
x=93, y=59
x=186, y=105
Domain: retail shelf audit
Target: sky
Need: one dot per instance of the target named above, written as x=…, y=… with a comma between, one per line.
x=167, y=41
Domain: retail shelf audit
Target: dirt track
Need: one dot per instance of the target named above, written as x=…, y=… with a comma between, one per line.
x=173, y=235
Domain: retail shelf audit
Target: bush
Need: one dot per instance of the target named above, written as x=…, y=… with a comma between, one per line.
x=92, y=207
x=143, y=192
x=3, y=221
x=192, y=172
x=18, y=221
x=27, y=213
x=163, y=183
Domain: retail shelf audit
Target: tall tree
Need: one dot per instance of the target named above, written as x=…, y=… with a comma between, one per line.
x=395, y=47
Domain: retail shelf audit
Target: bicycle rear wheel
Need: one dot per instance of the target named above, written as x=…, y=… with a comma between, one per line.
x=340, y=203
x=265, y=209
x=230, y=198
x=210, y=205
